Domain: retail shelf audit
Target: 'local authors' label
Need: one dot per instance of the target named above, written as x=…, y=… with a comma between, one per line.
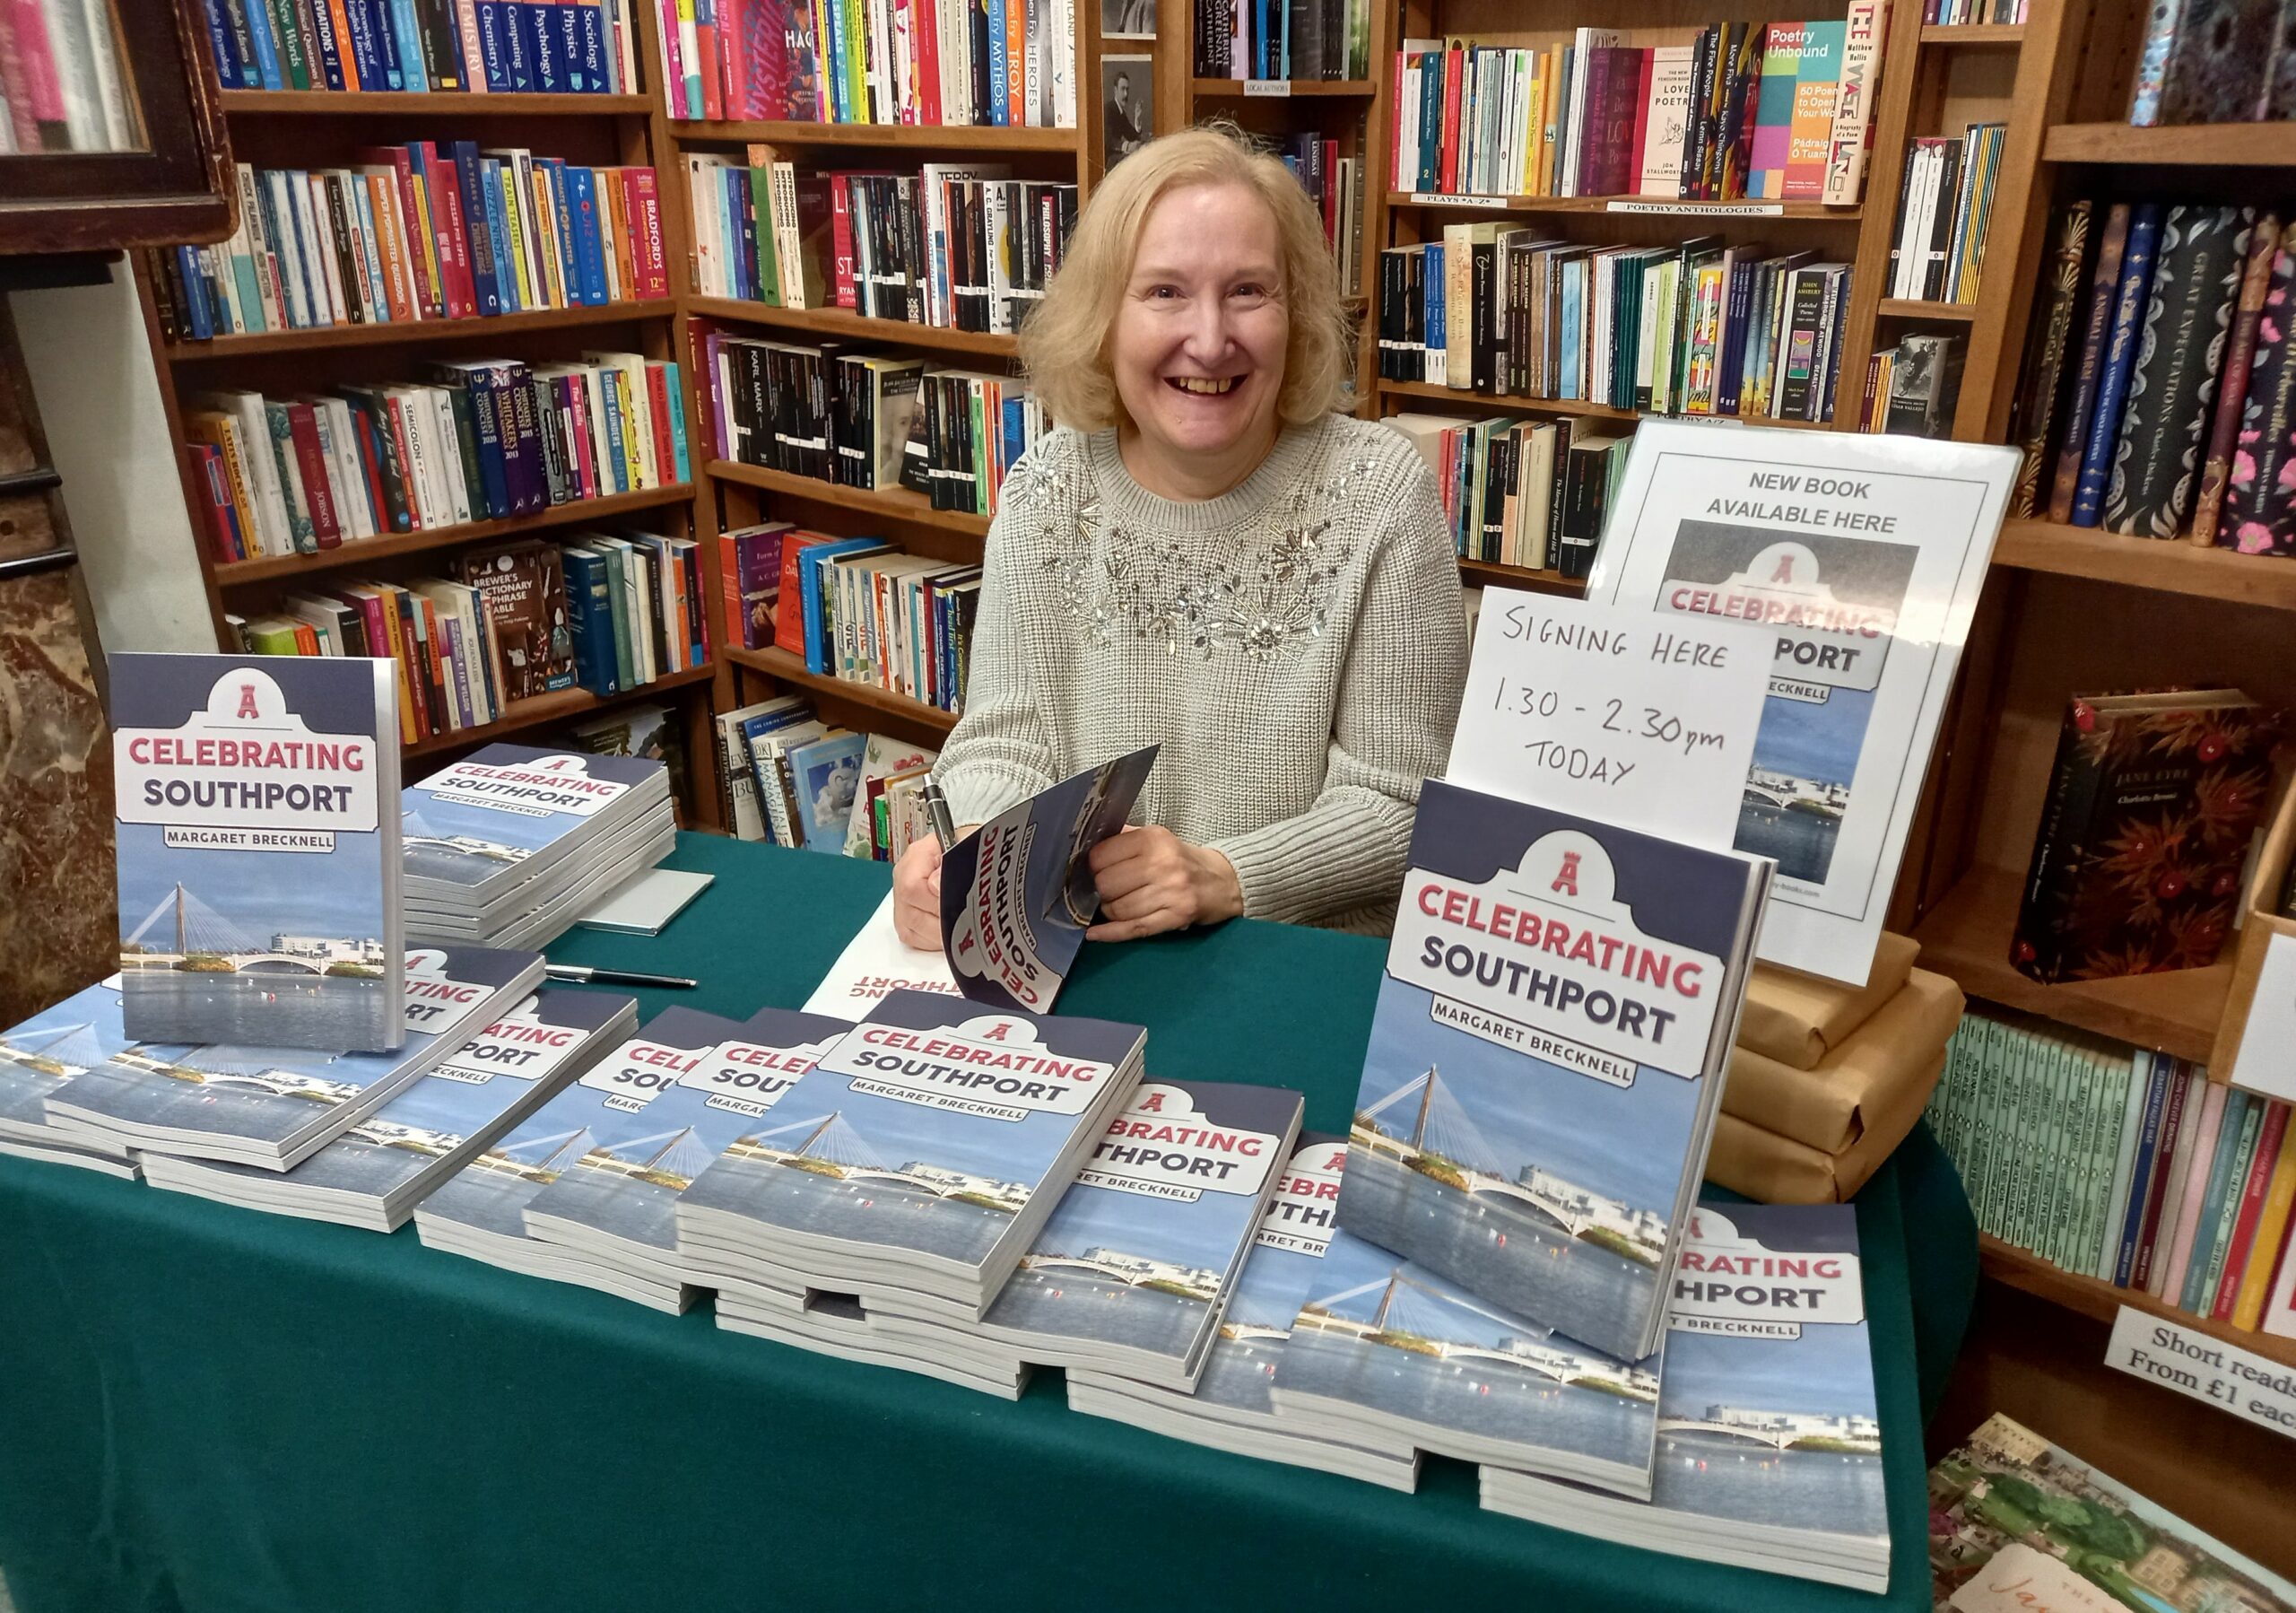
x=2224, y=1375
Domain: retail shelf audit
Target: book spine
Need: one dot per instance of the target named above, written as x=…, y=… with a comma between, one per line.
x=2260, y=516
x=2120, y=358
x=2045, y=371
x=2232, y=386
x=2157, y=460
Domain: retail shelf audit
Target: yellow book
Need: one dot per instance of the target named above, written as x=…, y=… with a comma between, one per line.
x=1534, y=127
x=2272, y=1228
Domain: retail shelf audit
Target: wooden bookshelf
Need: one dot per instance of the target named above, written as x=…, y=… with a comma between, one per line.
x=1906, y=307
x=2016, y=1267
x=2168, y=565
x=364, y=552
x=2198, y=144
x=412, y=333
x=416, y=103
x=556, y=707
x=924, y=136
x=1629, y=206
x=843, y=325
x=893, y=503
x=1282, y=89
x=1994, y=34
x=782, y=667
x=1489, y=573
x=1487, y=402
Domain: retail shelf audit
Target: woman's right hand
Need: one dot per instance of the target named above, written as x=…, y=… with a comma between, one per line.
x=917, y=895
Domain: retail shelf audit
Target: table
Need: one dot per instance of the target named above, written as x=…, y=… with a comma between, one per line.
x=205, y=1410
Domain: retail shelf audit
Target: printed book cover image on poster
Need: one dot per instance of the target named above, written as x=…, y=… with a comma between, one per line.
x=1539, y=1087
x=1864, y=555
x=1017, y=894
x=258, y=856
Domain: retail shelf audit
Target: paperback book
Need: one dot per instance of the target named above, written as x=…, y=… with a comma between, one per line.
x=39, y=1056
x=923, y=1153
x=1017, y=894
x=1134, y=1269
x=842, y=1325
x=259, y=900
x=874, y=963
x=274, y=1107
x=375, y=1174
x=1769, y=1443
x=1864, y=555
x=1230, y=1408
x=1385, y=1351
x=1546, y=1059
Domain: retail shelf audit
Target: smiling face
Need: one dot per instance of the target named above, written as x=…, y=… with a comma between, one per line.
x=1199, y=342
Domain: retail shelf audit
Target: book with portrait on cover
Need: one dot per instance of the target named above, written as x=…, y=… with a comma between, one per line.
x=1546, y=1059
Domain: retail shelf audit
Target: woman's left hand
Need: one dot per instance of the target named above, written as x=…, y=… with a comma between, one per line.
x=1151, y=880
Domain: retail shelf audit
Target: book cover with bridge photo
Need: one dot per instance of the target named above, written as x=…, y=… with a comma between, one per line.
x=924, y=1151
x=1384, y=1350
x=274, y=1107
x=1863, y=555
x=480, y=1210
x=1134, y=1268
x=37, y=1057
x=374, y=1174
x=259, y=899
x=1770, y=1441
x=1017, y=894
x=622, y=1204
x=1230, y=1408
x=1546, y=1059
x=493, y=828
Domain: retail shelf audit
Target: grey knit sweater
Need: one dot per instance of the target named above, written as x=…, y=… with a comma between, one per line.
x=1296, y=646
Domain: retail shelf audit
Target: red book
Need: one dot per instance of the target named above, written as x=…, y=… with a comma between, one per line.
x=2269, y=1141
x=371, y=464
x=2156, y=1189
x=644, y=202
x=396, y=425
x=1395, y=129
x=925, y=30
x=396, y=159
x=1454, y=70
x=216, y=504
x=710, y=69
x=446, y=193
x=303, y=427
x=658, y=404
x=1641, y=119
x=734, y=57
x=434, y=665
x=409, y=647
x=789, y=625
x=841, y=225
x=578, y=410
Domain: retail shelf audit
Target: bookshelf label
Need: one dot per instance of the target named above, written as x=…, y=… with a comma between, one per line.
x=1698, y=209
x=1277, y=88
x=2249, y=1386
x=1430, y=198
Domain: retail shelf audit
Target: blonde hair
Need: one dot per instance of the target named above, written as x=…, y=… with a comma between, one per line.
x=1064, y=344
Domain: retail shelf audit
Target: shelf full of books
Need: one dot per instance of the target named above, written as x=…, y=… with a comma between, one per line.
x=396, y=46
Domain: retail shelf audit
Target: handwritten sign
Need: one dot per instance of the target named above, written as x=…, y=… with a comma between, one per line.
x=2020, y=1579
x=1646, y=722
x=2251, y=1387
x=2267, y=1061
x=1432, y=198
x=1255, y=89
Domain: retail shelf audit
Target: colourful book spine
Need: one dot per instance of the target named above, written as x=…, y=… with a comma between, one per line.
x=2140, y=1179
x=2151, y=61
x=2104, y=289
x=2194, y=1192
x=1865, y=28
x=1774, y=110
x=2270, y=1140
x=2258, y=517
x=1817, y=84
x=2264, y=1247
x=2121, y=361
x=2232, y=386
x=2236, y=1135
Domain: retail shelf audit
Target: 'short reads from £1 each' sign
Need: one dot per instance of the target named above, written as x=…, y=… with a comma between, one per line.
x=2249, y=1386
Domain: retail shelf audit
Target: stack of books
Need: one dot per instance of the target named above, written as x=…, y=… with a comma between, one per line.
x=791, y=779
x=517, y=842
x=1913, y=388
x=1704, y=327
x=867, y=612
x=963, y=246
x=1944, y=207
x=932, y=62
x=1229, y=1408
x=842, y=1325
x=427, y=230
x=375, y=1174
x=487, y=439
x=2124, y=1165
x=81, y=1034
x=271, y=1107
x=565, y=47
x=1521, y=493
x=1778, y=111
x=1318, y=39
x=2157, y=381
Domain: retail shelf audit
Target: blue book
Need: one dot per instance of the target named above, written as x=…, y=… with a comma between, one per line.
x=676, y=394
x=493, y=55
x=224, y=29
x=827, y=772
x=1570, y=359
x=406, y=36
x=809, y=593
x=2140, y=1174
x=590, y=607
x=476, y=382
x=741, y=219
x=2121, y=362
x=1437, y=321
x=2221, y=1164
x=588, y=70
x=1559, y=1001
x=1000, y=106
x=517, y=50
x=359, y=16
x=590, y=246
x=384, y=29
x=266, y=43
x=498, y=234
x=198, y=316
x=464, y=155
x=617, y=461
x=545, y=51
x=326, y=48
x=488, y=826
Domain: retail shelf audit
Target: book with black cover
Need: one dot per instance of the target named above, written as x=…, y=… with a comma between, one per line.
x=2049, y=348
x=2129, y=303
x=2156, y=465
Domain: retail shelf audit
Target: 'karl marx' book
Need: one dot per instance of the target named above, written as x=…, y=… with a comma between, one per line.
x=259, y=899
x=39, y=1056
x=922, y=1154
x=1864, y=555
x=1385, y=1351
x=1137, y=1265
x=1769, y=1443
x=375, y=1174
x=274, y=1107
x=1547, y=1058
x=1230, y=1408
x=1017, y=894
x=2150, y=807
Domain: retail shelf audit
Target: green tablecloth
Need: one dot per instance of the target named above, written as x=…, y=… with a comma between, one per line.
x=217, y=1411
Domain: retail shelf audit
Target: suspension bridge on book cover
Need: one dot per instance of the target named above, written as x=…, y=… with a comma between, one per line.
x=1410, y=1307
x=59, y=1048
x=679, y=1156
x=542, y=1156
x=198, y=930
x=1441, y=1127
x=833, y=1147
x=1779, y=1431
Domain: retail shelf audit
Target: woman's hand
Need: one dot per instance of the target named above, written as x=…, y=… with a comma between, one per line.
x=917, y=895
x=1151, y=880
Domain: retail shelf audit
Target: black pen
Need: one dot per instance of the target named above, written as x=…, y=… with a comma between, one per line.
x=585, y=974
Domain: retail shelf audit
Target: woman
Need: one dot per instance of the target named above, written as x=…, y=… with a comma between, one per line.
x=1208, y=558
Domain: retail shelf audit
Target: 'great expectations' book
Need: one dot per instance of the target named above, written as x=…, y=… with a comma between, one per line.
x=1864, y=555
x=1770, y=1444
x=1017, y=894
x=923, y=1153
x=259, y=898
x=1546, y=1059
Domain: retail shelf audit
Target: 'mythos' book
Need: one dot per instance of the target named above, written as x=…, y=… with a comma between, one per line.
x=39, y=1056
x=1864, y=555
x=1547, y=1058
x=274, y=1107
x=920, y=1157
x=375, y=1174
x=259, y=900
x=1133, y=1271
x=1770, y=1444
x=1017, y=894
